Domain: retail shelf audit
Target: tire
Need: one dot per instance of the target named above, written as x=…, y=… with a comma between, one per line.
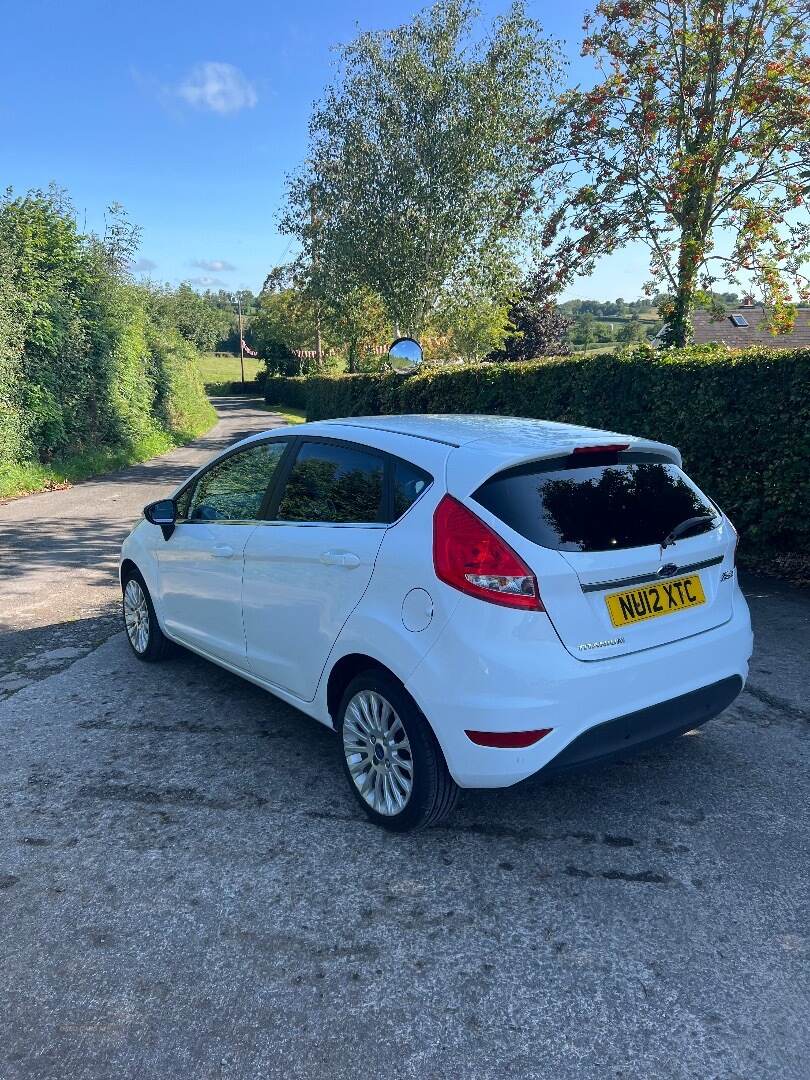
x=144, y=635
x=402, y=781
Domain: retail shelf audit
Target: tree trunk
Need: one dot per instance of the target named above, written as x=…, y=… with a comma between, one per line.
x=352, y=358
x=678, y=330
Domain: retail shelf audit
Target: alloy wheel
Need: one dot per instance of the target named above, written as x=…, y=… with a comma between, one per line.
x=136, y=616
x=378, y=753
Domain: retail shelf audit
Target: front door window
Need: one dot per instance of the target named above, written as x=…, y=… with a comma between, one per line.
x=234, y=489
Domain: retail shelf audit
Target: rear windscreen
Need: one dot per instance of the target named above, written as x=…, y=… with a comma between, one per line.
x=602, y=507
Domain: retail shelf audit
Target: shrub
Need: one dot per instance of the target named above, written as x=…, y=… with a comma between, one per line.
x=88, y=372
x=290, y=389
x=740, y=419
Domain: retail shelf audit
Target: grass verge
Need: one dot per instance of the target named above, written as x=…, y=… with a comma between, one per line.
x=28, y=477
x=291, y=415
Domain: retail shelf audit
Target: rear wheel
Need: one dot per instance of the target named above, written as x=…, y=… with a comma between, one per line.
x=145, y=637
x=393, y=762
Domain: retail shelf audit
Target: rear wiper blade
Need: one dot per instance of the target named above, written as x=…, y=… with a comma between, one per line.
x=685, y=527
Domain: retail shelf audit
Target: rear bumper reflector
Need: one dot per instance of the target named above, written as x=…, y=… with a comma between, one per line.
x=507, y=740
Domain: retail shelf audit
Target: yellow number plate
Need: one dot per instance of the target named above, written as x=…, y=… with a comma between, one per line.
x=650, y=601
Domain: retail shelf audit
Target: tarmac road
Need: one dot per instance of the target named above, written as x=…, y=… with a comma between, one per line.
x=187, y=889
x=59, y=594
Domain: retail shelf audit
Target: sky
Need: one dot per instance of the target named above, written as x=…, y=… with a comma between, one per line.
x=192, y=114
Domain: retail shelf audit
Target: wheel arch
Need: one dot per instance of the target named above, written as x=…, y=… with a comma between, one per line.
x=352, y=664
x=126, y=570
x=346, y=669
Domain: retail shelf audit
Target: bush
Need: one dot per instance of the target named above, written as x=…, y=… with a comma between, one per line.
x=180, y=405
x=290, y=389
x=740, y=419
x=88, y=372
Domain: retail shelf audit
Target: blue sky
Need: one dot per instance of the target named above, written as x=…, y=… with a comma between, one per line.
x=191, y=115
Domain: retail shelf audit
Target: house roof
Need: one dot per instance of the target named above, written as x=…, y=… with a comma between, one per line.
x=712, y=328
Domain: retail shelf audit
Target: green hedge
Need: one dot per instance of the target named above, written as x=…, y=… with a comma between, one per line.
x=288, y=390
x=740, y=419
x=92, y=374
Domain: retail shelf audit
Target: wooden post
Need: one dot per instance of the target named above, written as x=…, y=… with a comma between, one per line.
x=241, y=342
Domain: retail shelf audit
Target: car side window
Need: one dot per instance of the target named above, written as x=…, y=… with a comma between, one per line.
x=234, y=489
x=409, y=481
x=333, y=483
x=183, y=502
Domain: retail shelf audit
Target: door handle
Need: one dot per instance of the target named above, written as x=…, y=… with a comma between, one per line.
x=340, y=558
x=222, y=551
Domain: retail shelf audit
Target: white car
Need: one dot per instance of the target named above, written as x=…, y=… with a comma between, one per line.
x=466, y=600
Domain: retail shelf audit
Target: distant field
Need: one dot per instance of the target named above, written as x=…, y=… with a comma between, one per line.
x=219, y=371
x=604, y=347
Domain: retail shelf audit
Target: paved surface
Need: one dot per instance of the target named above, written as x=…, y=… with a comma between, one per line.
x=59, y=551
x=187, y=889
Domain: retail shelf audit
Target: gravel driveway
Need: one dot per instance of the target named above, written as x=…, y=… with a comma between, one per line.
x=187, y=888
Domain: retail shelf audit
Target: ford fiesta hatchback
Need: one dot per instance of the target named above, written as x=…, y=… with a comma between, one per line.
x=466, y=600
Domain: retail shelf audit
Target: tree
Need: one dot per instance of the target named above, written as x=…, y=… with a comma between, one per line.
x=85, y=361
x=285, y=322
x=537, y=327
x=696, y=141
x=632, y=330
x=195, y=317
x=603, y=332
x=420, y=158
x=356, y=319
x=473, y=324
x=583, y=332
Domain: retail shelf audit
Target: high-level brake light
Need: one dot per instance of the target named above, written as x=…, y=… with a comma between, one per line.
x=605, y=448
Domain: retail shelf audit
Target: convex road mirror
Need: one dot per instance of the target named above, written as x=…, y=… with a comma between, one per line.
x=405, y=355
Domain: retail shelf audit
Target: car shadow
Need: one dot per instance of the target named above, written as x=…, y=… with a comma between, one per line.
x=275, y=748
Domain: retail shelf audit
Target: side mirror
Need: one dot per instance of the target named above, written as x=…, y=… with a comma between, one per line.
x=405, y=355
x=162, y=513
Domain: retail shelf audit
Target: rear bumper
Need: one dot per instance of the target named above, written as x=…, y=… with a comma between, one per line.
x=655, y=724
x=523, y=679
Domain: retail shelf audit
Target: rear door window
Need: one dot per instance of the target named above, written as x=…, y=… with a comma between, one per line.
x=333, y=483
x=408, y=481
x=600, y=507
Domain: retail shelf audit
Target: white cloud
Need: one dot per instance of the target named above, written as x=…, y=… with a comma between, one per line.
x=218, y=87
x=207, y=282
x=143, y=266
x=217, y=266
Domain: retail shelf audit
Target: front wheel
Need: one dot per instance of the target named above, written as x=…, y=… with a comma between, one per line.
x=393, y=762
x=140, y=622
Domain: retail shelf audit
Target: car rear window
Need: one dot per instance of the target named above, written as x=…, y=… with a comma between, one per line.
x=599, y=507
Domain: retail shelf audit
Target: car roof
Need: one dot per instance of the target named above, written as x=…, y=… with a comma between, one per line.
x=502, y=438
x=462, y=430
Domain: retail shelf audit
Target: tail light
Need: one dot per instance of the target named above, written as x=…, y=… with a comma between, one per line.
x=472, y=558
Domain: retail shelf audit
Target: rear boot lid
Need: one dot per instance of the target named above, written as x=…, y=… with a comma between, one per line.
x=619, y=583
